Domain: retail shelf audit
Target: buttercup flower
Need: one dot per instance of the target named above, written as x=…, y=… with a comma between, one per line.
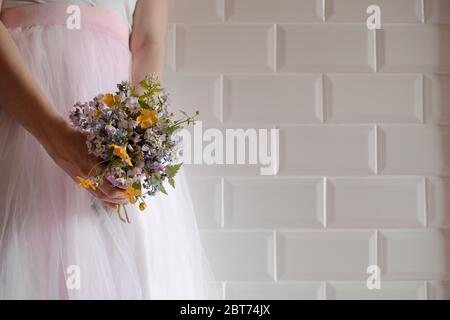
x=110, y=100
x=121, y=152
x=86, y=183
x=131, y=193
x=147, y=118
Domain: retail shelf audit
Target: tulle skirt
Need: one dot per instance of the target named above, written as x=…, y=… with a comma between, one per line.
x=52, y=243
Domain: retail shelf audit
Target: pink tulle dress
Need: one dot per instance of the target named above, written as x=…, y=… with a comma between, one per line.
x=49, y=231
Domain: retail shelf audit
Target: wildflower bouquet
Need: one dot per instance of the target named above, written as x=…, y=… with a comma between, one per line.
x=136, y=138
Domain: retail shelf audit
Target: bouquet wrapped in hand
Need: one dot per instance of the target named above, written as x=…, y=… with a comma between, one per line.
x=135, y=136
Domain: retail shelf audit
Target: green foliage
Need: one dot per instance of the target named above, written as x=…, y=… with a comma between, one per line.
x=171, y=171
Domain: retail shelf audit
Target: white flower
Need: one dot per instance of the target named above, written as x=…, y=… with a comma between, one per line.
x=123, y=124
x=133, y=105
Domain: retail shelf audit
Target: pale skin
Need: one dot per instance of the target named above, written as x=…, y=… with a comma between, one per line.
x=25, y=102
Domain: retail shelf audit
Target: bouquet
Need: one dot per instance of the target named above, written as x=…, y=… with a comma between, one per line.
x=135, y=137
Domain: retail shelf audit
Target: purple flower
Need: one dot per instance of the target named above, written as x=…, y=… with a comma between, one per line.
x=110, y=130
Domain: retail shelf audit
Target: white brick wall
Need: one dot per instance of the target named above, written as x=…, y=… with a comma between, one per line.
x=365, y=143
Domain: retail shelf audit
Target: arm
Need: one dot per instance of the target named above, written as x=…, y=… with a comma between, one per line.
x=148, y=38
x=31, y=108
x=22, y=98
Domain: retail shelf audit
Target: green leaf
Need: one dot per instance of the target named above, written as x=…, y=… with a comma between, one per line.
x=133, y=92
x=162, y=189
x=142, y=103
x=136, y=185
x=171, y=171
x=171, y=130
x=184, y=113
x=157, y=176
x=171, y=182
x=154, y=180
x=144, y=84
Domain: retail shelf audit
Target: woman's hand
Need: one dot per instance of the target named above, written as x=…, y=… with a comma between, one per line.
x=67, y=147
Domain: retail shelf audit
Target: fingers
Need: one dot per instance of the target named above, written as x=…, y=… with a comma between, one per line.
x=105, y=191
x=98, y=193
x=113, y=194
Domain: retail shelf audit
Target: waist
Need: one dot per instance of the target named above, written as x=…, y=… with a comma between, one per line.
x=74, y=17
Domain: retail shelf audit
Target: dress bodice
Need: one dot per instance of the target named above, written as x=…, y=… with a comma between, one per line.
x=123, y=8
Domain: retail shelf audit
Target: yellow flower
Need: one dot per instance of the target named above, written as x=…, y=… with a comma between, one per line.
x=131, y=193
x=121, y=152
x=147, y=118
x=86, y=183
x=97, y=113
x=142, y=206
x=110, y=100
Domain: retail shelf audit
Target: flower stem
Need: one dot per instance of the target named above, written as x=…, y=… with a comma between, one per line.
x=118, y=213
x=126, y=214
x=96, y=166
